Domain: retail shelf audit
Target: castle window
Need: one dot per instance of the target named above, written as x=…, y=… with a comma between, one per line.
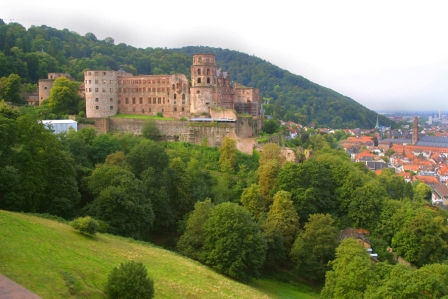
x=143, y=110
x=96, y=99
x=208, y=71
x=159, y=100
x=104, y=81
x=96, y=81
x=104, y=89
x=127, y=101
x=154, y=100
x=175, y=109
x=164, y=100
x=141, y=100
x=199, y=80
x=96, y=89
x=90, y=89
x=185, y=86
x=104, y=73
x=111, y=90
x=183, y=102
x=183, y=108
x=183, y=96
x=45, y=87
x=198, y=91
x=119, y=102
x=163, y=89
x=174, y=96
x=133, y=100
x=199, y=71
x=111, y=81
x=149, y=109
x=163, y=110
x=149, y=100
x=96, y=73
x=90, y=81
x=133, y=109
x=208, y=80
x=173, y=86
x=111, y=107
x=89, y=73
x=96, y=107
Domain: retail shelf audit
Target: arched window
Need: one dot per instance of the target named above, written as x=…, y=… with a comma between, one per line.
x=174, y=96
x=199, y=80
x=208, y=80
x=199, y=71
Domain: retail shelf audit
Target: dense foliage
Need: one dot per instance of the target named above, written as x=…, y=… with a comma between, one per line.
x=33, y=53
x=130, y=280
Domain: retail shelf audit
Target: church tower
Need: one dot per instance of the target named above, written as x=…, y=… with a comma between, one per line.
x=415, y=131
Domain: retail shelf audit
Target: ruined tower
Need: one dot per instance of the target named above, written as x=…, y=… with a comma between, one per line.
x=203, y=93
x=101, y=89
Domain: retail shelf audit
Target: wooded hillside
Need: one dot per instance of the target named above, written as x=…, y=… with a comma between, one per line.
x=33, y=53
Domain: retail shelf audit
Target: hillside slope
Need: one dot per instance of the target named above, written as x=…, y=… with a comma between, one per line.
x=54, y=261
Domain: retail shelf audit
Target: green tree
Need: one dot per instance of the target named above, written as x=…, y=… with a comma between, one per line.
x=86, y=225
x=270, y=151
x=234, y=244
x=422, y=192
x=365, y=207
x=227, y=155
x=129, y=281
x=252, y=201
x=146, y=154
x=64, y=97
x=267, y=176
x=150, y=130
x=191, y=242
x=12, y=89
x=351, y=272
x=282, y=217
x=315, y=246
x=120, y=201
x=270, y=126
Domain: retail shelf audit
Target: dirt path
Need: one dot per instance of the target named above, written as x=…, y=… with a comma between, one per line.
x=11, y=290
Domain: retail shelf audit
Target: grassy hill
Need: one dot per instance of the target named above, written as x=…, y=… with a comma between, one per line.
x=54, y=261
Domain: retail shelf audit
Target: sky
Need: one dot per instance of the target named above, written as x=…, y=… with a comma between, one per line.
x=386, y=55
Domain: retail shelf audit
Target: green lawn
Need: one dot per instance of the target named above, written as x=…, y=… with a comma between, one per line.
x=54, y=261
x=138, y=116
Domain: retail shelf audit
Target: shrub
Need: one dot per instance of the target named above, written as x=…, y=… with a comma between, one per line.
x=159, y=114
x=130, y=280
x=85, y=225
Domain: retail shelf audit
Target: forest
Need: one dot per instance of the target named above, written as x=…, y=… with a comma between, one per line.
x=33, y=53
x=243, y=215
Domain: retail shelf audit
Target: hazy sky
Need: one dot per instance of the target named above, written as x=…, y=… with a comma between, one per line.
x=385, y=55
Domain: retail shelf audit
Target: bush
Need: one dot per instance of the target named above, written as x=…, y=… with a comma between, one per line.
x=159, y=114
x=85, y=225
x=130, y=280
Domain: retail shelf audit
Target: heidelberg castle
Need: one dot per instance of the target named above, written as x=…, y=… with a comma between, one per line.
x=110, y=92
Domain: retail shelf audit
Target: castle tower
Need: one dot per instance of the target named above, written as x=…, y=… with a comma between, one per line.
x=101, y=88
x=203, y=91
x=203, y=70
x=415, y=131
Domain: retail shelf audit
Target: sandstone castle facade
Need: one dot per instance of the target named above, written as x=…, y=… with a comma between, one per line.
x=110, y=92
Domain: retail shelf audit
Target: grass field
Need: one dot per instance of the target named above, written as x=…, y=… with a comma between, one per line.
x=54, y=261
x=142, y=117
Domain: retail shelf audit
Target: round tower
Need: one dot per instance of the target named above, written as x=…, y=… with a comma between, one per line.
x=203, y=70
x=101, y=88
